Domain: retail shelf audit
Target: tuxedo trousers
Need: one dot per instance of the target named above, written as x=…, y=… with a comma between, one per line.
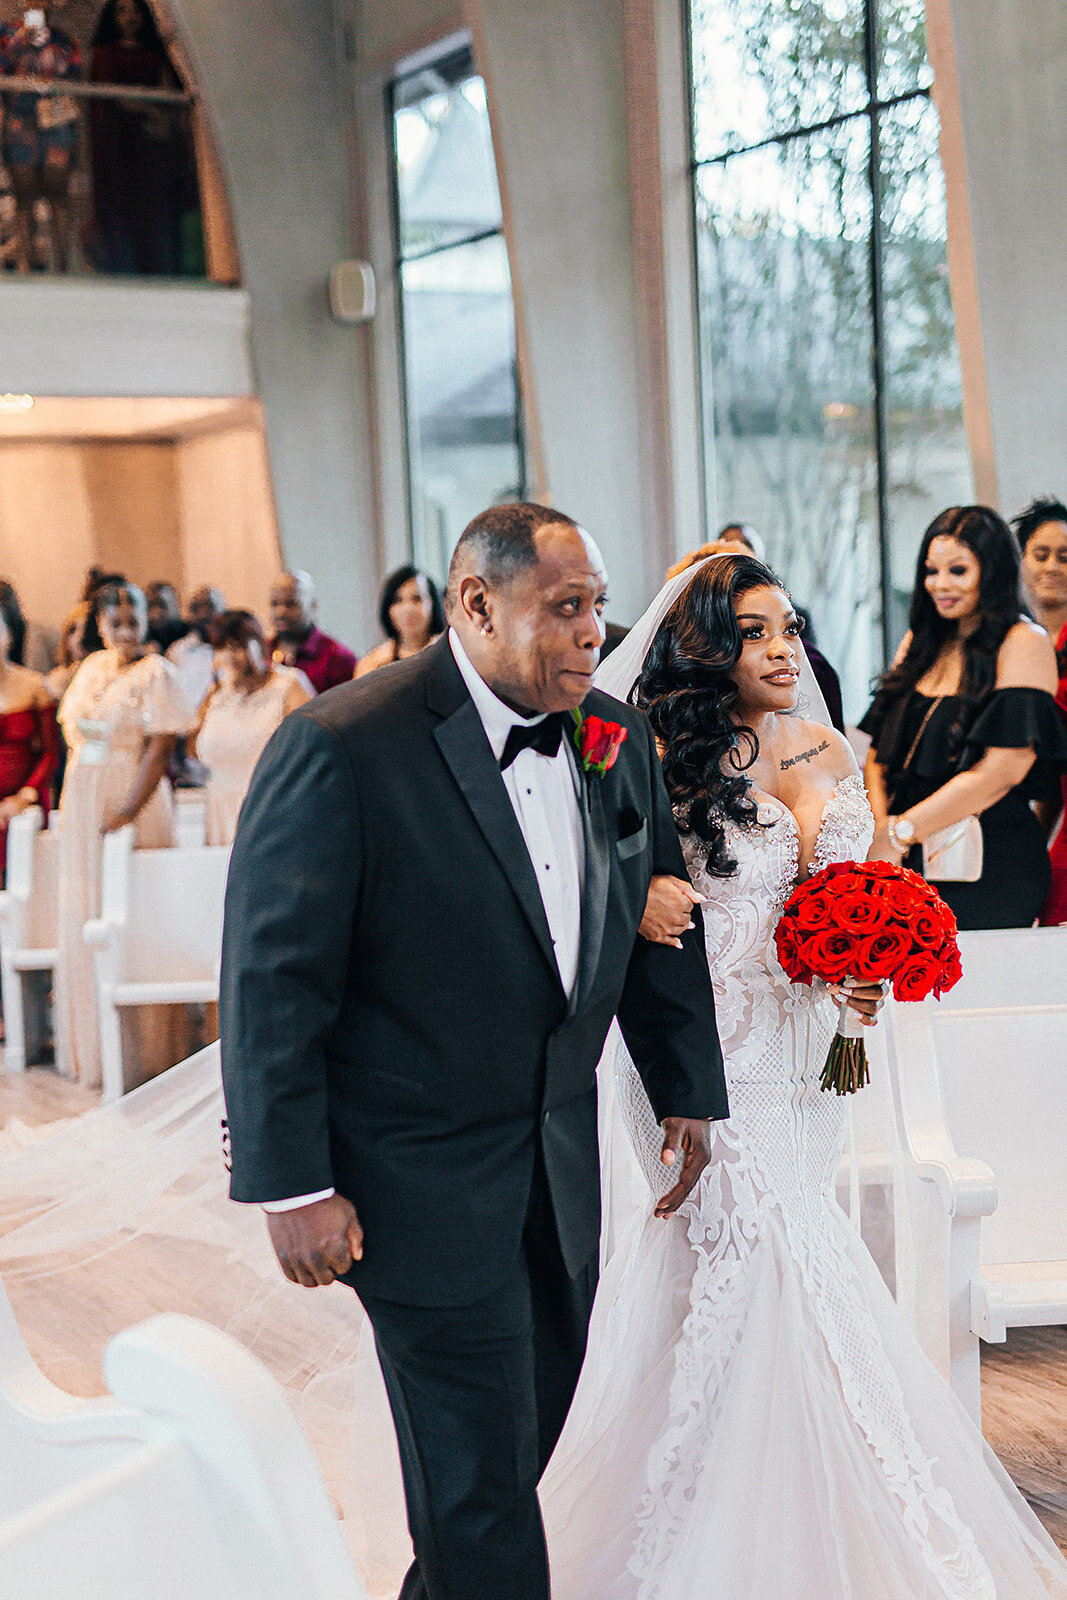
x=479, y=1394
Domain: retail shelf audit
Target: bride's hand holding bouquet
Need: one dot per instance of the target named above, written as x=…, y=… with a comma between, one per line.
x=869, y=922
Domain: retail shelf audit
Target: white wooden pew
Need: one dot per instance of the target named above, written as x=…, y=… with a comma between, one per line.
x=193, y=1478
x=983, y=1071
x=28, y=932
x=158, y=939
x=1001, y=1040
x=189, y=817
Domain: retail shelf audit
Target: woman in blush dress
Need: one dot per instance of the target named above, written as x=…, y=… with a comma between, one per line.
x=28, y=738
x=754, y=1421
x=120, y=716
x=249, y=700
x=411, y=615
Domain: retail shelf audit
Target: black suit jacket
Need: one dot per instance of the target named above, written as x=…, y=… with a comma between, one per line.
x=392, y=1018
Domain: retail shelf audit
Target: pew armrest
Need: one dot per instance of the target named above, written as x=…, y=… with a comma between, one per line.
x=97, y=933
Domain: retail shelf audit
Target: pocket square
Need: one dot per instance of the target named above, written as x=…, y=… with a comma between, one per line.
x=630, y=844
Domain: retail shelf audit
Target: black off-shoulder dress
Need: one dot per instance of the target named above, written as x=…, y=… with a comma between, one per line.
x=1015, y=871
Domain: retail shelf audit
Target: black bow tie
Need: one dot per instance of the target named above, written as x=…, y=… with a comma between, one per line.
x=543, y=736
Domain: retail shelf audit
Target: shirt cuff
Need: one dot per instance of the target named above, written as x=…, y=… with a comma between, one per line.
x=297, y=1201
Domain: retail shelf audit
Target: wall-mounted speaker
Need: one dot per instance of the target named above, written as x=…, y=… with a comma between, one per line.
x=352, y=292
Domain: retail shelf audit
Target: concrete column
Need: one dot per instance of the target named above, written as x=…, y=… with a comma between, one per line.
x=586, y=150
x=1000, y=68
x=270, y=75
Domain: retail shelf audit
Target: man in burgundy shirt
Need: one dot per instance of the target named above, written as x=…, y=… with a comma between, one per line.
x=298, y=642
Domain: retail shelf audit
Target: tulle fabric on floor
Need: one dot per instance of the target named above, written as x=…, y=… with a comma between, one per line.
x=123, y=1213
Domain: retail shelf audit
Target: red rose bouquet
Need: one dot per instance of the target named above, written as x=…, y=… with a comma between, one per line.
x=874, y=922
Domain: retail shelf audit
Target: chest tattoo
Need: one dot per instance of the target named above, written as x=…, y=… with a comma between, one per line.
x=805, y=755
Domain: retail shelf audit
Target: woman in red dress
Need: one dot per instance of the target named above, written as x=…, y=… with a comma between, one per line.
x=29, y=742
x=1042, y=534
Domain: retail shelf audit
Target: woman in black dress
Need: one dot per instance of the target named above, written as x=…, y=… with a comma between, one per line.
x=964, y=723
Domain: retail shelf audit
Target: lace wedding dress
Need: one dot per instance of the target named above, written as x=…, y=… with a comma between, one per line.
x=754, y=1421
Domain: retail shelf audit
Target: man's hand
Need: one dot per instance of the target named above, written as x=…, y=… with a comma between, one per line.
x=316, y=1243
x=687, y=1139
x=669, y=910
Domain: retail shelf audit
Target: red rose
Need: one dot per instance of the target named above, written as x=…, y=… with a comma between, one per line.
x=789, y=956
x=830, y=955
x=917, y=977
x=899, y=899
x=951, y=969
x=861, y=913
x=848, y=884
x=599, y=743
x=880, y=955
x=812, y=912
x=928, y=929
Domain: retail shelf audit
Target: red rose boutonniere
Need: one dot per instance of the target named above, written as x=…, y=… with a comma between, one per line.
x=598, y=742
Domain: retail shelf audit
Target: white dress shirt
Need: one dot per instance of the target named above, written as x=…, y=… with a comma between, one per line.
x=543, y=791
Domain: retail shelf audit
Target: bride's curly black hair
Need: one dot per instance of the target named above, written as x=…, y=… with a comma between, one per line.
x=686, y=691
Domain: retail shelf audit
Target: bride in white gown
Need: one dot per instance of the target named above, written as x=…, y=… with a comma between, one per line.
x=754, y=1421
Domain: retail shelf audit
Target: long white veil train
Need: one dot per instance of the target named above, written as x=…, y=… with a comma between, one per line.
x=123, y=1213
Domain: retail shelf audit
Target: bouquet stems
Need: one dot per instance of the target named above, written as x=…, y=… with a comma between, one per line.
x=846, y=1064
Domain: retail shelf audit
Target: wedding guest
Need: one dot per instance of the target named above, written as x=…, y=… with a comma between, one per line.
x=411, y=615
x=28, y=740
x=96, y=579
x=1054, y=911
x=31, y=645
x=142, y=172
x=964, y=724
x=120, y=716
x=39, y=136
x=72, y=653
x=165, y=625
x=71, y=649
x=1042, y=534
x=297, y=642
x=249, y=700
x=193, y=654
x=736, y=538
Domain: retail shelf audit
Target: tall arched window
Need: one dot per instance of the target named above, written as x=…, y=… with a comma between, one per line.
x=464, y=423
x=830, y=373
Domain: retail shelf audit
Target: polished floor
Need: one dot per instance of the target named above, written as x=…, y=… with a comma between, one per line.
x=1024, y=1382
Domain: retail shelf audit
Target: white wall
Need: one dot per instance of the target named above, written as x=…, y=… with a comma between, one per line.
x=271, y=76
x=1000, y=73
x=190, y=511
x=578, y=142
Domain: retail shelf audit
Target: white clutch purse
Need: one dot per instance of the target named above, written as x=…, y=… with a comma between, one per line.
x=954, y=854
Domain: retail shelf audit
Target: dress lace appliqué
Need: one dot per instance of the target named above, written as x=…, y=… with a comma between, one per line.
x=772, y=1173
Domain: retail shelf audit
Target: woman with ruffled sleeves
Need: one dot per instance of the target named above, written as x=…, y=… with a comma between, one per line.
x=965, y=724
x=121, y=716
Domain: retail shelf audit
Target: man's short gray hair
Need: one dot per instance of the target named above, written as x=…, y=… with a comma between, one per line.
x=500, y=543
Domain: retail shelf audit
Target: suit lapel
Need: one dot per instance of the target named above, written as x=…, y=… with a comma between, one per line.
x=462, y=742
x=594, y=882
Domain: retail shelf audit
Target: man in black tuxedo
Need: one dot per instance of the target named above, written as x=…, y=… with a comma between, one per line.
x=431, y=920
